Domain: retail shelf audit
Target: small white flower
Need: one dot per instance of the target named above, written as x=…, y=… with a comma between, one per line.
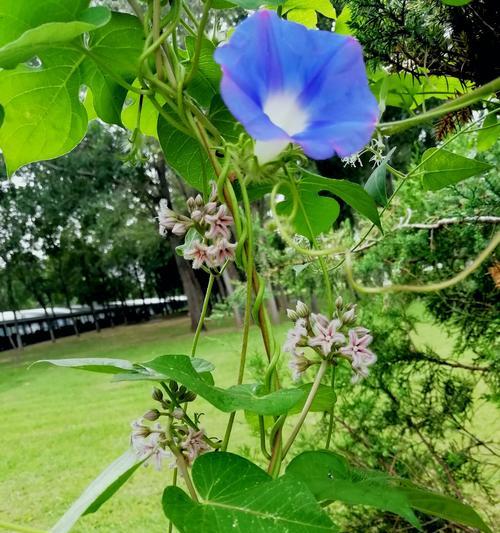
x=194, y=445
x=297, y=336
x=326, y=334
x=221, y=251
x=198, y=253
x=219, y=224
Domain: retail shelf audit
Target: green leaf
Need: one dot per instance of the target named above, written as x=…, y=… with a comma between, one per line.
x=19, y=16
x=185, y=155
x=191, y=236
x=44, y=117
x=224, y=121
x=441, y=168
x=317, y=212
x=456, y=3
x=321, y=6
x=330, y=478
x=149, y=114
x=118, y=45
x=443, y=507
x=306, y=17
x=205, y=83
x=100, y=490
x=238, y=397
x=323, y=401
x=255, y=4
x=93, y=364
x=489, y=133
x=376, y=185
x=51, y=34
x=236, y=495
x=342, y=22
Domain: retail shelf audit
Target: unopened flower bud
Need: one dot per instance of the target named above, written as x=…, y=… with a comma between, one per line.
x=188, y=396
x=199, y=200
x=173, y=385
x=210, y=208
x=302, y=310
x=339, y=302
x=349, y=316
x=157, y=395
x=178, y=413
x=152, y=415
x=191, y=204
x=292, y=315
x=180, y=229
x=196, y=215
x=213, y=191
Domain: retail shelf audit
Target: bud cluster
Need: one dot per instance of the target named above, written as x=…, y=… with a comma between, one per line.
x=329, y=339
x=152, y=442
x=211, y=247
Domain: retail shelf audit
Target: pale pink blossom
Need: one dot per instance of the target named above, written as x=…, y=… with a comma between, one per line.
x=166, y=217
x=326, y=333
x=298, y=365
x=194, y=445
x=219, y=224
x=297, y=336
x=221, y=251
x=149, y=448
x=357, y=350
x=198, y=253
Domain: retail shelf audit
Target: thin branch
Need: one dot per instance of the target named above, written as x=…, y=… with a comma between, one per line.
x=487, y=219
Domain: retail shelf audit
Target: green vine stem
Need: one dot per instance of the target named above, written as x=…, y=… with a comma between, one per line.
x=307, y=406
x=389, y=128
x=203, y=314
x=199, y=41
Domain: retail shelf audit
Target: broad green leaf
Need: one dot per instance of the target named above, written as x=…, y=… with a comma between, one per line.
x=321, y=6
x=441, y=168
x=51, y=34
x=376, y=185
x=149, y=114
x=119, y=45
x=330, y=478
x=100, y=490
x=224, y=121
x=255, y=4
x=205, y=83
x=236, y=495
x=19, y=16
x=93, y=364
x=44, y=116
x=185, y=155
x=489, y=133
x=222, y=4
x=342, y=22
x=443, y=507
x=317, y=210
x=306, y=17
x=323, y=401
x=238, y=397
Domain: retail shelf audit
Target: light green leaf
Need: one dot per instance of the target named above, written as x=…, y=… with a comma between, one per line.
x=185, y=155
x=117, y=45
x=321, y=6
x=51, y=34
x=205, y=83
x=191, y=236
x=236, y=495
x=93, y=364
x=255, y=4
x=224, y=121
x=306, y=17
x=19, y=16
x=376, y=185
x=149, y=114
x=342, y=22
x=489, y=133
x=443, y=507
x=238, y=397
x=441, y=168
x=100, y=490
x=330, y=478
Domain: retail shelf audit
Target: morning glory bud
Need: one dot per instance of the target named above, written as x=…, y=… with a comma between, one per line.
x=288, y=84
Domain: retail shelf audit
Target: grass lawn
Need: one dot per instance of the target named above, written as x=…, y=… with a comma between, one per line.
x=60, y=427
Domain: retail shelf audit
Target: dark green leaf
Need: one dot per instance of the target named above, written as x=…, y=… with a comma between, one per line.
x=443, y=506
x=238, y=397
x=205, y=83
x=317, y=211
x=224, y=121
x=330, y=478
x=236, y=495
x=376, y=186
x=456, y=3
x=185, y=155
x=441, y=168
x=100, y=490
x=489, y=133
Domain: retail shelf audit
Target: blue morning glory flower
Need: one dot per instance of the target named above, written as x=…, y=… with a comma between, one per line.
x=287, y=84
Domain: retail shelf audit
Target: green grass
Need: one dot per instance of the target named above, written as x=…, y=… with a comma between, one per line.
x=60, y=427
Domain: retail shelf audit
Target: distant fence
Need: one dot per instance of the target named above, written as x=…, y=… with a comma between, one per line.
x=21, y=330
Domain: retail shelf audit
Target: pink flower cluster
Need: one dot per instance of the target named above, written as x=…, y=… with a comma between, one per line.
x=329, y=338
x=211, y=247
x=150, y=443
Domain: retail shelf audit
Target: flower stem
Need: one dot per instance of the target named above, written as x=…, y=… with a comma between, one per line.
x=307, y=406
x=203, y=314
x=331, y=413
